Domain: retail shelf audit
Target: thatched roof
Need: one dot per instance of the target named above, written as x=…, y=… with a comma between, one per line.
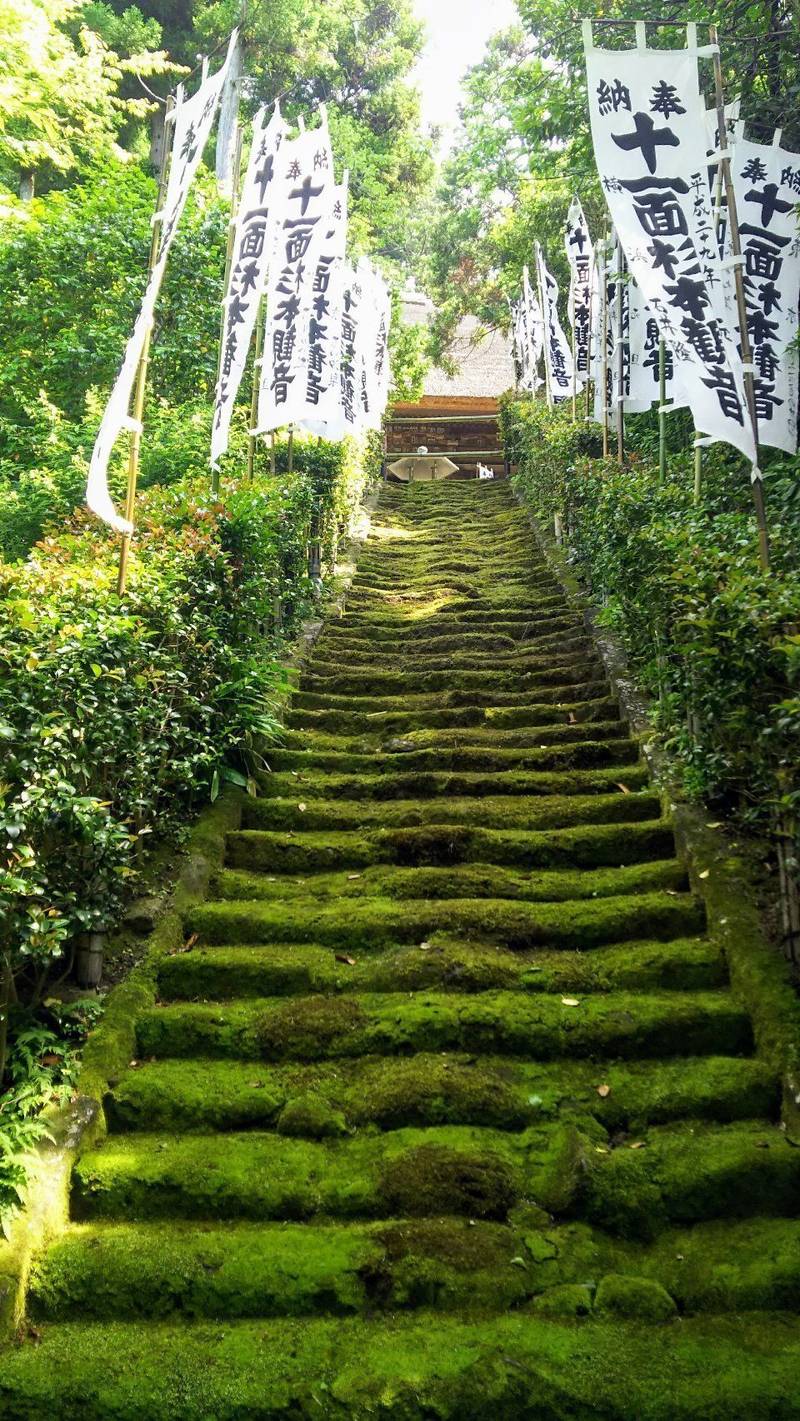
x=484, y=365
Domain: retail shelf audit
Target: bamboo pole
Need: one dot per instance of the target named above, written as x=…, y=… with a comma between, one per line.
x=251, y=436
x=604, y=344
x=237, y=162
x=662, y=414
x=134, y=448
x=272, y=453
x=756, y=483
x=291, y=448
x=620, y=400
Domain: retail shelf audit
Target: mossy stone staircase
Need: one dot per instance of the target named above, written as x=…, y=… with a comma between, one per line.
x=449, y=1111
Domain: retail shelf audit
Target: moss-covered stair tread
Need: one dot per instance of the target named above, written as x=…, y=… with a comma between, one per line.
x=446, y=1106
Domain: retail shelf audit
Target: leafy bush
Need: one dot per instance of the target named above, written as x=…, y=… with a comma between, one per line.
x=712, y=638
x=119, y=717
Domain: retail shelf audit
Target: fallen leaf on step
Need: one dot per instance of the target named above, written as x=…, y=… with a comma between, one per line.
x=133, y=1065
x=570, y=1002
x=604, y=1091
x=715, y=825
x=353, y=876
x=623, y=787
x=256, y=1085
x=349, y=961
x=302, y=808
x=572, y=719
x=637, y=1145
x=705, y=873
x=520, y=1262
x=424, y=947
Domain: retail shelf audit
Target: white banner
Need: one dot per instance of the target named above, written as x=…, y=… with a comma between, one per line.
x=648, y=128
x=304, y=202
x=252, y=243
x=373, y=352
x=192, y=122
x=580, y=254
x=557, y=352
x=767, y=185
x=323, y=344
x=532, y=333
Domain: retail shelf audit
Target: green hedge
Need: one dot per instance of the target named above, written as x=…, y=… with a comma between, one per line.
x=118, y=718
x=715, y=641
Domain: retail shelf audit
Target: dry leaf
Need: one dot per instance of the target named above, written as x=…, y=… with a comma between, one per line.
x=133, y=1065
x=705, y=873
x=424, y=947
x=570, y=1002
x=604, y=1091
x=637, y=1145
x=302, y=808
x=624, y=788
x=715, y=825
x=352, y=876
x=349, y=961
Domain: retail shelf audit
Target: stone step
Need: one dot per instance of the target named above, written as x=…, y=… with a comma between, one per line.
x=551, y=811
x=399, y=683
x=492, y=702
x=589, y=704
x=629, y=1025
x=427, y=784
x=588, y=846
x=469, y=1171
x=442, y=964
x=577, y=754
x=477, y=880
x=153, y=1271
x=486, y=736
x=690, y=1172
x=331, y=1100
x=377, y=922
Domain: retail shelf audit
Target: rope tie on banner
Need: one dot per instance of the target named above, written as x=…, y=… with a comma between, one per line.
x=157, y=217
x=719, y=155
x=728, y=263
x=667, y=409
x=134, y=426
x=702, y=441
x=756, y=476
x=748, y=367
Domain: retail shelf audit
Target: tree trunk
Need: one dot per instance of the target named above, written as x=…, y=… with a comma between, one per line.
x=26, y=184
x=228, y=118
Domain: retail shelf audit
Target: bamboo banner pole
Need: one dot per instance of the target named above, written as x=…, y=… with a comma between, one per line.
x=237, y=163
x=251, y=437
x=272, y=453
x=620, y=400
x=756, y=483
x=291, y=449
x=134, y=449
x=662, y=414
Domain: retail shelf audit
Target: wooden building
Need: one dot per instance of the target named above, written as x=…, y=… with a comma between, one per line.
x=457, y=414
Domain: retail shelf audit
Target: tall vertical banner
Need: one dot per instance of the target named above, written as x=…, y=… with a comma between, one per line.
x=533, y=332
x=193, y=120
x=304, y=190
x=378, y=352
x=766, y=181
x=557, y=352
x=253, y=239
x=323, y=343
x=580, y=255
x=648, y=129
